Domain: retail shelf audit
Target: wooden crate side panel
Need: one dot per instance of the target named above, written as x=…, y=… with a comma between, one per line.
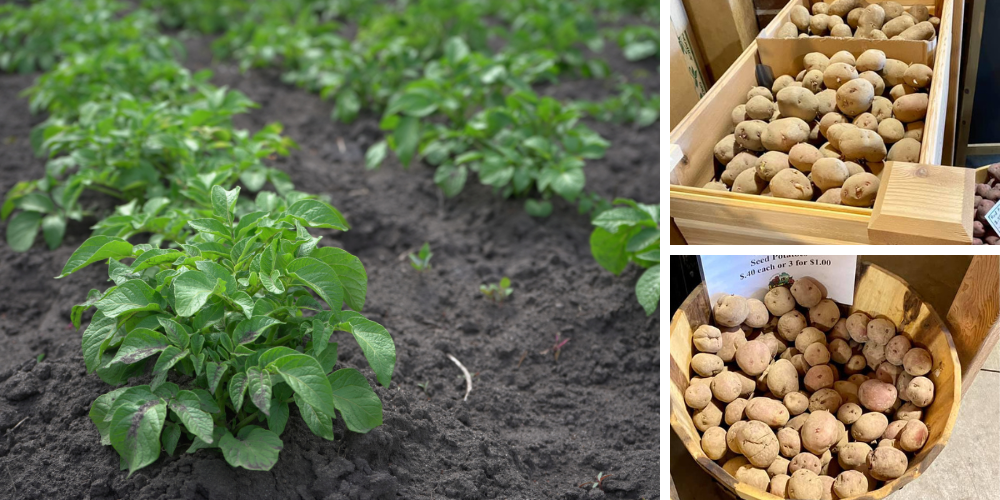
x=709, y=121
x=923, y=204
x=801, y=224
x=932, y=146
x=709, y=233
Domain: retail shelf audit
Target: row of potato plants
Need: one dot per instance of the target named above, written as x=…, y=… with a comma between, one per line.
x=450, y=101
x=221, y=295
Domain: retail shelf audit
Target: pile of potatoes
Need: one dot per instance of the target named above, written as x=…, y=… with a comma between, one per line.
x=823, y=135
x=859, y=19
x=798, y=401
x=987, y=195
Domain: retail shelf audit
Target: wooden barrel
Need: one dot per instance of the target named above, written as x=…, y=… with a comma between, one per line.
x=876, y=292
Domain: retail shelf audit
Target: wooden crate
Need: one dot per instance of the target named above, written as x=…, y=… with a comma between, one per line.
x=877, y=292
x=713, y=217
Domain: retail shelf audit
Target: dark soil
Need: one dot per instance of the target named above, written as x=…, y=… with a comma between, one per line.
x=531, y=428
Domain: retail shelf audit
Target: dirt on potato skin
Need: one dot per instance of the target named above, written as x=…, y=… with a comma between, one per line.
x=530, y=429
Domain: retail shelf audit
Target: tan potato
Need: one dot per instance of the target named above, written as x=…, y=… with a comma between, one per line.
x=825, y=399
x=813, y=81
x=913, y=437
x=897, y=347
x=697, y=396
x=827, y=150
x=897, y=26
x=871, y=19
x=874, y=354
x=791, y=324
x=869, y=427
x=860, y=190
x=753, y=357
x=769, y=411
x=730, y=310
x=815, y=61
x=866, y=121
x=748, y=134
x=805, y=461
x=900, y=90
x=909, y=411
x=781, y=82
x=920, y=391
x=782, y=134
x=892, y=9
x=770, y=164
x=887, y=463
x=757, y=478
x=881, y=108
x=758, y=316
x=918, y=76
x=819, y=377
x=855, y=97
x=820, y=8
x=871, y=60
x=735, y=411
x=826, y=100
x=800, y=18
x=841, y=8
x=789, y=443
x=920, y=31
x=758, y=443
x=914, y=131
x=760, y=91
x=841, y=31
x=779, y=301
x=831, y=196
x=713, y=443
x=843, y=57
x=759, y=108
x=803, y=155
x=840, y=349
x=905, y=149
x=709, y=416
x=732, y=339
x=808, y=293
x=742, y=161
x=876, y=395
x=716, y=186
x=893, y=71
x=707, y=338
x=910, y=108
x=819, y=432
x=782, y=379
x=796, y=402
x=748, y=182
x=853, y=17
x=862, y=144
x=881, y=330
x=828, y=121
x=787, y=30
x=726, y=386
x=707, y=365
x=734, y=464
x=850, y=483
x=848, y=413
x=792, y=184
x=797, y=102
x=726, y=149
x=837, y=74
x=739, y=114
x=877, y=82
x=891, y=131
x=825, y=314
x=819, y=24
x=918, y=361
x=828, y=173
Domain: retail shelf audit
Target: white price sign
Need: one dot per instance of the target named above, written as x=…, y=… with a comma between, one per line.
x=753, y=275
x=993, y=217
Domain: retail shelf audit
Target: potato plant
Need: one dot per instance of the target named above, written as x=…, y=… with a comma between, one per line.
x=887, y=20
x=630, y=233
x=797, y=400
x=824, y=134
x=233, y=333
x=129, y=121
